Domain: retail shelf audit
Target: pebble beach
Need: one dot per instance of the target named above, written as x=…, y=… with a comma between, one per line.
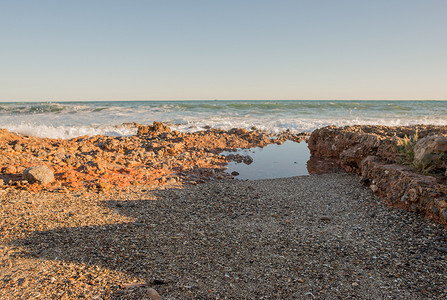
x=310, y=237
x=178, y=150
x=198, y=233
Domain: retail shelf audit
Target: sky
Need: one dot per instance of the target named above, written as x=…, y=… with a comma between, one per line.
x=53, y=50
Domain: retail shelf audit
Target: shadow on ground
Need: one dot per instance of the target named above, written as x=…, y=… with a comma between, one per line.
x=248, y=240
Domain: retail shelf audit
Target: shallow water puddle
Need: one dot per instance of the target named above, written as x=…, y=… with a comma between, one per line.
x=272, y=161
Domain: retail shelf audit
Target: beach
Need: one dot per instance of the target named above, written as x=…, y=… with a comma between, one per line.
x=156, y=215
x=223, y=150
x=320, y=236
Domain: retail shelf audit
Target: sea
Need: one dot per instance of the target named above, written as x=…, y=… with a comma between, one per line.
x=72, y=119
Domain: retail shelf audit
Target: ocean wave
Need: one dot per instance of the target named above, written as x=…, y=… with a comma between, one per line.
x=40, y=108
x=191, y=124
x=68, y=132
x=68, y=120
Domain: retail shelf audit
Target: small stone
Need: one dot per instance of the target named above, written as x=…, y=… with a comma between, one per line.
x=40, y=174
x=171, y=180
x=247, y=160
x=374, y=188
x=355, y=284
x=442, y=249
x=153, y=294
x=10, y=170
x=104, y=186
x=234, y=173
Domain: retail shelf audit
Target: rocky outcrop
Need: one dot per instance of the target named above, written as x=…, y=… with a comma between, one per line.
x=375, y=153
x=155, y=156
x=156, y=128
x=400, y=186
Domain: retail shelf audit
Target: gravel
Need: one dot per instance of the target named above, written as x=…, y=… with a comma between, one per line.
x=311, y=237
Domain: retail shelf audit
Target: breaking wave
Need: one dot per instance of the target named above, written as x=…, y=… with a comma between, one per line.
x=72, y=119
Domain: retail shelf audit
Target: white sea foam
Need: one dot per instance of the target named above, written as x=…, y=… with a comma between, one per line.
x=196, y=124
x=68, y=132
x=68, y=120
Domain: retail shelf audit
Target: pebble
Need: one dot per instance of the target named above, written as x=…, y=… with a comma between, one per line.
x=153, y=294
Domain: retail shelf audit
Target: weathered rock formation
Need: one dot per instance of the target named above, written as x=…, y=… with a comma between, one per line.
x=155, y=129
x=375, y=152
x=156, y=155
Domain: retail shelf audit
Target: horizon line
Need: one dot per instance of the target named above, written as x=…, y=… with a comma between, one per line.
x=156, y=100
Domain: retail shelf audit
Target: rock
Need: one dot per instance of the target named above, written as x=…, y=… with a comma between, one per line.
x=412, y=195
x=171, y=180
x=377, y=154
x=248, y=160
x=156, y=128
x=442, y=204
x=40, y=174
x=432, y=150
x=103, y=186
x=234, y=173
x=435, y=144
x=10, y=170
x=84, y=148
x=59, y=156
x=153, y=294
x=239, y=131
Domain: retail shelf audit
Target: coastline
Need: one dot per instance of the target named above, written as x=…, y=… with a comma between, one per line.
x=109, y=227
x=154, y=156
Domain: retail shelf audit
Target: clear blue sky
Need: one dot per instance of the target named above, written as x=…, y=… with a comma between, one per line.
x=167, y=49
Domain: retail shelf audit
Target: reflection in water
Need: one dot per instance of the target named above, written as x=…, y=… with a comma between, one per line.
x=278, y=161
x=272, y=161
